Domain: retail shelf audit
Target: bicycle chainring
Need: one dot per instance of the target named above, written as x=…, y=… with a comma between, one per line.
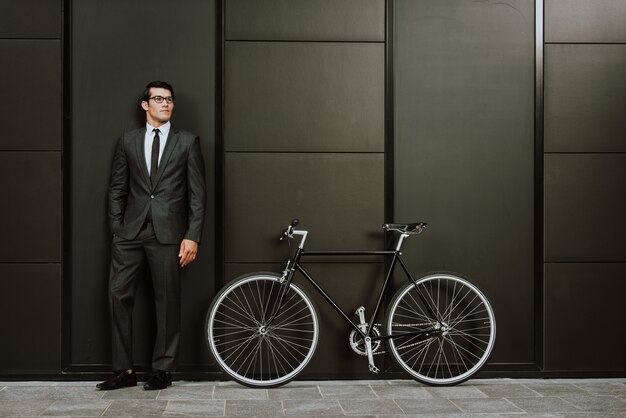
x=358, y=345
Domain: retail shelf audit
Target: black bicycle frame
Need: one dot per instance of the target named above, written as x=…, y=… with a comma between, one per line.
x=294, y=265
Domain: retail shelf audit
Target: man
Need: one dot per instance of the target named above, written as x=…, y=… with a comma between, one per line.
x=156, y=211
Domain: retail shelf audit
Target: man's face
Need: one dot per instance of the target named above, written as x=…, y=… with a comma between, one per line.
x=158, y=114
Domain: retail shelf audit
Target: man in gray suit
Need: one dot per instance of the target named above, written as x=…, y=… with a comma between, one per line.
x=157, y=201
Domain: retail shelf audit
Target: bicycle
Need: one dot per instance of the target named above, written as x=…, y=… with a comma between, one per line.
x=262, y=328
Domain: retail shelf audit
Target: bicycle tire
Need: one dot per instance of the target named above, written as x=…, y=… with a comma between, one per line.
x=249, y=350
x=464, y=329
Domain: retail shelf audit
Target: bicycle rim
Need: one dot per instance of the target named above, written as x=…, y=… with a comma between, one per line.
x=247, y=346
x=461, y=334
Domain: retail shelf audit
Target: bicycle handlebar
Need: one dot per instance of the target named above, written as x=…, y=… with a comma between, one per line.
x=289, y=231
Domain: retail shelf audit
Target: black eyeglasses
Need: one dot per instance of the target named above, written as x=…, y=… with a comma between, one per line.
x=159, y=99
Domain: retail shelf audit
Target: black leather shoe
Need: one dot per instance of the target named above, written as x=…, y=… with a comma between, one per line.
x=158, y=380
x=122, y=379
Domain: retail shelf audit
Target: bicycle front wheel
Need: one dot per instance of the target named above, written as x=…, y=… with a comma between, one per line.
x=257, y=342
x=445, y=329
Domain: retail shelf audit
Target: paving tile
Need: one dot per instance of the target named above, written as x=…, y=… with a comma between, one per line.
x=486, y=405
x=21, y=408
x=370, y=406
x=343, y=416
x=506, y=391
x=347, y=392
x=575, y=381
x=597, y=403
x=303, y=392
x=239, y=392
x=254, y=408
x=315, y=407
x=77, y=407
x=49, y=392
x=345, y=382
x=427, y=406
x=550, y=404
x=136, y=407
x=15, y=393
x=397, y=391
x=456, y=392
x=135, y=392
x=400, y=382
x=462, y=415
x=603, y=388
x=187, y=392
x=556, y=389
x=203, y=408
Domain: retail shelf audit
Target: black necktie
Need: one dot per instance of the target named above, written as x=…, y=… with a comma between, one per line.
x=154, y=160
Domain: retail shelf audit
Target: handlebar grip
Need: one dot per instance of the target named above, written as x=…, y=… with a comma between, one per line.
x=289, y=230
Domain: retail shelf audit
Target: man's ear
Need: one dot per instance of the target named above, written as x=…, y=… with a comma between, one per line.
x=144, y=105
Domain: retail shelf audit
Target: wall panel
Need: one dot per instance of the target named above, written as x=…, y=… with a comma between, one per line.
x=336, y=196
x=30, y=308
x=464, y=151
x=584, y=207
x=32, y=102
x=110, y=70
x=599, y=21
x=304, y=137
x=583, y=303
x=304, y=97
x=30, y=215
x=585, y=98
x=305, y=20
x=31, y=18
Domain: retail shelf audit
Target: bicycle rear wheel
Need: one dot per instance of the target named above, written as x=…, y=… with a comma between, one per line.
x=250, y=348
x=458, y=323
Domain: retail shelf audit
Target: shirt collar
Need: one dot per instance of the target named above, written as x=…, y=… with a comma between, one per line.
x=164, y=129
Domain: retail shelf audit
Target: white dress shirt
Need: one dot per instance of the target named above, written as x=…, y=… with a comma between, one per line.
x=164, y=130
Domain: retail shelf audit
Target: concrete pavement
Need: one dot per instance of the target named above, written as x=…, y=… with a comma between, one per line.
x=377, y=398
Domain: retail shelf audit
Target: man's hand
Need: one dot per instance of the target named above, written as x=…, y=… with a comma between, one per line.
x=188, y=251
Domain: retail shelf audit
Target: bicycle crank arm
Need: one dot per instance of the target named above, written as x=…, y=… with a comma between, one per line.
x=370, y=356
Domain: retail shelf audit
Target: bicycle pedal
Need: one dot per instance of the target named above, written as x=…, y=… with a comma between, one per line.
x=374, y=369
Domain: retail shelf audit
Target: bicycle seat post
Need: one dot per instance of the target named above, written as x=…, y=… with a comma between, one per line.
x=400, y=240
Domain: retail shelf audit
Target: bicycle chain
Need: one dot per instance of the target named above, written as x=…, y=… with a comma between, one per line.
x=376, y=353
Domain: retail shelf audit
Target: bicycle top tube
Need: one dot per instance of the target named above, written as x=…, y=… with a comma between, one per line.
x=405, y=231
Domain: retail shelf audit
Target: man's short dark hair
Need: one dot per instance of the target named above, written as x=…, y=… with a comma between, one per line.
x=158, y=85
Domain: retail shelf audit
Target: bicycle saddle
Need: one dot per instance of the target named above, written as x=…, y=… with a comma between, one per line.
x=414, y=228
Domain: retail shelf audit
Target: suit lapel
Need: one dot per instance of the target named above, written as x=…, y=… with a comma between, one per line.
x=141, y=153
x=170, y=144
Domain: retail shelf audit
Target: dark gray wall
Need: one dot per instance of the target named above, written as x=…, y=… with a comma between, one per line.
x=118, y=47
x=31, y=150
x=585, y=179
x=303, y=134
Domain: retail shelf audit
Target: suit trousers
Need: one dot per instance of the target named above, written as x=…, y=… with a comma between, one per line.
x=129, y=259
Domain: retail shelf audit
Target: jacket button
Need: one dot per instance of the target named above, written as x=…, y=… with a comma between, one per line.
x=151, y=196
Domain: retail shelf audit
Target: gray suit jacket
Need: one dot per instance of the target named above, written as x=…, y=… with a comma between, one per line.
x=176, y=201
